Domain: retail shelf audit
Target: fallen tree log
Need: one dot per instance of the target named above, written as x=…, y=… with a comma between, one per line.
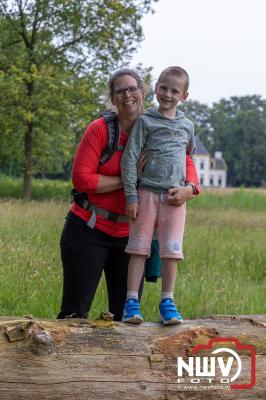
x=93, y=360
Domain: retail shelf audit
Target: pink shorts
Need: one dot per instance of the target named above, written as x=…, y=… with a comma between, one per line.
x=155, y=212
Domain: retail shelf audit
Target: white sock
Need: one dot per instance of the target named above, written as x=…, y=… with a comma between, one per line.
x=132, y=295
x=167, y=295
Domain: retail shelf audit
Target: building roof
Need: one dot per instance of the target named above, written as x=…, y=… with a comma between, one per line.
x=200, y=148
x=218, y=163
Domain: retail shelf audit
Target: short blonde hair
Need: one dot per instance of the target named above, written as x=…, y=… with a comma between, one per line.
x=176, y=71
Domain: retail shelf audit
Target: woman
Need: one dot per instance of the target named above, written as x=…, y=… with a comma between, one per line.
x=86, y=252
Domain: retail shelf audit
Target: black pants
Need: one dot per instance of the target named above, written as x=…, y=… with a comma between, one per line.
x=85, y=254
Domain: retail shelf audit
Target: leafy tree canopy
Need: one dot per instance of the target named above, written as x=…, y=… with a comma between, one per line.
x=237, y=127
x=239, y=130
x=55, y=56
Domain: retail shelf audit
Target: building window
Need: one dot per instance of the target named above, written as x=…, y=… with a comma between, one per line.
x=201, y=164
x=202, y=180
x=220, y=180
x=212, y=164
x=211, y=180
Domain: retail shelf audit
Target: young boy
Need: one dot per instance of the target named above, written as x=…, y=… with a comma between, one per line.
x=167, y=136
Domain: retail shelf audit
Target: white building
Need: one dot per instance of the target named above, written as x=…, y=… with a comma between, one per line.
x=212, y=171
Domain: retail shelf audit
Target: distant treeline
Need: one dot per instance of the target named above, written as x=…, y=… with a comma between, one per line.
x=237, y=127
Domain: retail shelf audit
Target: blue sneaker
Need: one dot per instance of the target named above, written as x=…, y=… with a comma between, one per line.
x=169, y=313
x=132, y=312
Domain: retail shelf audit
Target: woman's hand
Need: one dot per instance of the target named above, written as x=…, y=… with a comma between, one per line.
x=178, y=196
x=141, y=162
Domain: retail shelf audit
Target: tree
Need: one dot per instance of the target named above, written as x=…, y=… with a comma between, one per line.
x=200, y=114
x=237, y=127
x=146, y=74
x=239, y=130
x=55, y=55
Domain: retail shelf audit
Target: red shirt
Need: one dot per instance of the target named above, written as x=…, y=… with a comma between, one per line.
x=85, y=176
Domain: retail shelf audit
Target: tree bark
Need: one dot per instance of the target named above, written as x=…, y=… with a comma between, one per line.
x=95, y=360
x=28, y=139
x=28, y=162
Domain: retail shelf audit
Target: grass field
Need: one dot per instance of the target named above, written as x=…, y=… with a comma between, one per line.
x=42, y=189
x=223, y=272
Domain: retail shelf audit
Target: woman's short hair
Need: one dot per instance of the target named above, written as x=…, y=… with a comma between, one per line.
x=122, y=72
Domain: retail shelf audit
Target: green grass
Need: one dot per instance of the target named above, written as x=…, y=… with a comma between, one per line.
x=211, y=199
x=226, y=199
x=42, y=189
x=223, y=271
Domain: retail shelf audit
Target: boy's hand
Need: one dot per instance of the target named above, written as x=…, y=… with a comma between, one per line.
x=178, y=196
x=132, y=211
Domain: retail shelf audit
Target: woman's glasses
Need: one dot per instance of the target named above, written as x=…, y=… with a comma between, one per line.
x=122, y=91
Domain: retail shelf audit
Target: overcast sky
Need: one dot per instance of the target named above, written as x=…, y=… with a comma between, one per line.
x=221, y=43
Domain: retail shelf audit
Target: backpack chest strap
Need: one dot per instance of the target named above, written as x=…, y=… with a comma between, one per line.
x=109, y=215
x=82, y=201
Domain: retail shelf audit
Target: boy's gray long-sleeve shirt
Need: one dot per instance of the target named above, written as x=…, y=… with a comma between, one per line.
x=167, y=142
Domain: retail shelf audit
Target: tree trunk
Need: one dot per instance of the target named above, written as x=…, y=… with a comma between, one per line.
x=28, y=140
x=28, y=163
x=95, y=360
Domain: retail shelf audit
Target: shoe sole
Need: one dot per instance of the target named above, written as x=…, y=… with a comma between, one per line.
x=136, y=319
x=172, y=321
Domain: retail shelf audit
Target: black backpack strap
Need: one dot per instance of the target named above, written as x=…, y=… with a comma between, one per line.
x=81, y=198
x=113, y=136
